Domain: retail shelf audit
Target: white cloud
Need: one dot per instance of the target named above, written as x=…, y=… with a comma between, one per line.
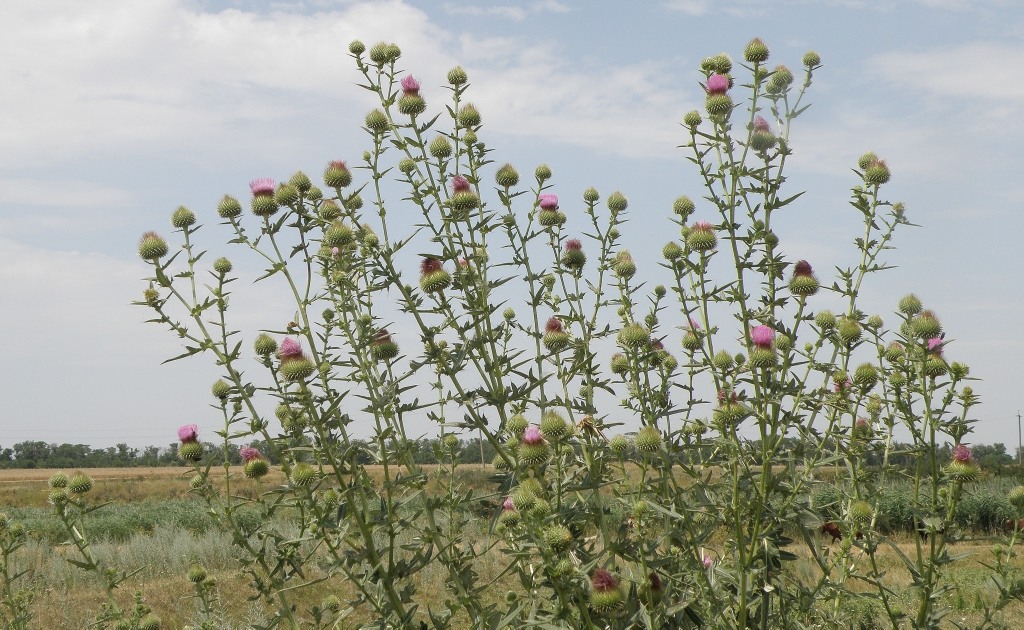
x=516, y=13
x=70, y=193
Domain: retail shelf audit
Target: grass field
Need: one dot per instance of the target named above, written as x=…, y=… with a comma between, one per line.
x=155, y=524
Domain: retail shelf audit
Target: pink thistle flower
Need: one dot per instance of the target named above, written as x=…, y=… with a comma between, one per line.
x=459, y=183
x=249, y=453
x=410, y=85
x=573, y=245
x=553, y=325
x=188, y=433
x=760, y=124
x=762, y=336
x=548, y=202
x=718, y=84
x=532, y=436
x=290, y=349
x=430, y=265
x=603, y=580
x=703, y=226
x=262, y=187
x=335, y=251
x=708, y=562
x=935, y=346
x=694, y=325
x=802, y=268
x=508, y=505
x=842, y=387
x=961, y=453
x=337, y=164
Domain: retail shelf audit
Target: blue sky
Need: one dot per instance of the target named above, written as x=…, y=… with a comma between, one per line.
x=117, y=112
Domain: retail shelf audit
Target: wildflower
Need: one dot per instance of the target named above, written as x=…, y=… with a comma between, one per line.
x=152, y=247
x=605, y=595
x=382, y=347
x=762, y=336
x=555, y=337
x=533, y=450
x=962, y=468
x=701, y=237
x=573, y=257
x=433, y=277
x=708, y=562
x=961, y=453
x=337, y=175
x=935, y=346
x=463, y=199
x=188, y=433
x=718, y=84
x=249, y=453
x=294, y=365
x=549, y=214
x=262, y=187
x=290, y=349
x=548, y=201
x=411, y=103
x=762, y=138
x=263, y=202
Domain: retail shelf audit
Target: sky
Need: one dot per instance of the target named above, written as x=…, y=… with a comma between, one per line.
x=114, y=113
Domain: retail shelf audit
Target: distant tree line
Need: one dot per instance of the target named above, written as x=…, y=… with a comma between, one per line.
x=38, y=454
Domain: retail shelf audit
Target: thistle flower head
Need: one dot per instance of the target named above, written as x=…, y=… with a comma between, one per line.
x=935, y=346
x=410, y=85
x=760, y=124
x=802, y=268
x=718, y=84
x=603, y=580
x=262, y=187
x=694, y=325
x=548, y=201
x=708, y=562
x=703, y=226
x=532, y=435
x=249, y=453
x=459, y=183
x=188, y=433
x=573, y=245
x=553, y=325
x=961, y=453
x=508, y=505
x=762, y=336
x=290, y=349
x=430, y=265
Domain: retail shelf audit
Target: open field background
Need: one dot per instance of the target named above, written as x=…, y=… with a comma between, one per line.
x=154, y=523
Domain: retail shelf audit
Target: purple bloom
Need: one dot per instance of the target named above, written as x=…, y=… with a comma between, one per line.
x=694, y=325
x=718, y=84
x=188, y=433
x=290, y=349
x=760, y=124
x=548, y=201
x=249, y=453
x=459, y=183
x=935, y=346
x=532, y=436
x=708, y=562
x=961, y=453
x=508, y=505
x=410, y=85
x=262, y=187
x=762, y=336
x=603, y=580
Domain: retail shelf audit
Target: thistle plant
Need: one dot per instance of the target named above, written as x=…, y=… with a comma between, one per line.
x=505, y=311
x=15, y=598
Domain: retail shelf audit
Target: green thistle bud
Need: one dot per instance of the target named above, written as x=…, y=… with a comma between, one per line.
x=190, y=451
x=338, y=234
x=314, y=194
x=926, y=325
x=620, y=363
x=783, y=343
x=762, y=358
x=861, y=512
x=441, y=147
x=866, y=160
x=935, y=366
x=469, y=138
x=877, y=173
x=554, y=427
x=557, y=538
x=542, y=173
x=152, y=247
x=958, y=370
x=222, y=266
x=183, y=217
x=910, y=305
x=379, y=53
x=450, y=442
x=648, y=439
x=150, y=622
x=617, y=202
x=623, y=265
x=435, y=281
x=329, y=210
x=79, y=484
x=865, y=376
x=411, y=104
x=812, y=59
x=701, y=237
x=221, y=389
x=756, y=51
x=196, y=574
x=469, y=116
x=393, y=52
x=780, y=79
x=722, y=361
x=507, y=176
x=337, y=175
x=303, y=475
x=591, y=195
x=848, y=331
x=634, y=337
x=256, y=468
x=264, y=345
x=618, y=445
x=509, y=314
x=1016, y=497
x=718, y=105
x=331, y=603
x=297, y=369
x=197, y=482
x=356, y=48
x=229, y=208
x=963, y=471
x=57, y=480
x=457, y=76
x=301, y=182
x=515, y=425
x=874, y=322
x=551, y=218
x=383, y=347
x=606, y=596
x=377, y=121
x=692, y=119
x=263, y=206
x=721, y=63
x=533, y=454
x=825, y=320
x=895, y=352
x=58, y=497
x=672, y=251
x=897, y=379
x=573, y=257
